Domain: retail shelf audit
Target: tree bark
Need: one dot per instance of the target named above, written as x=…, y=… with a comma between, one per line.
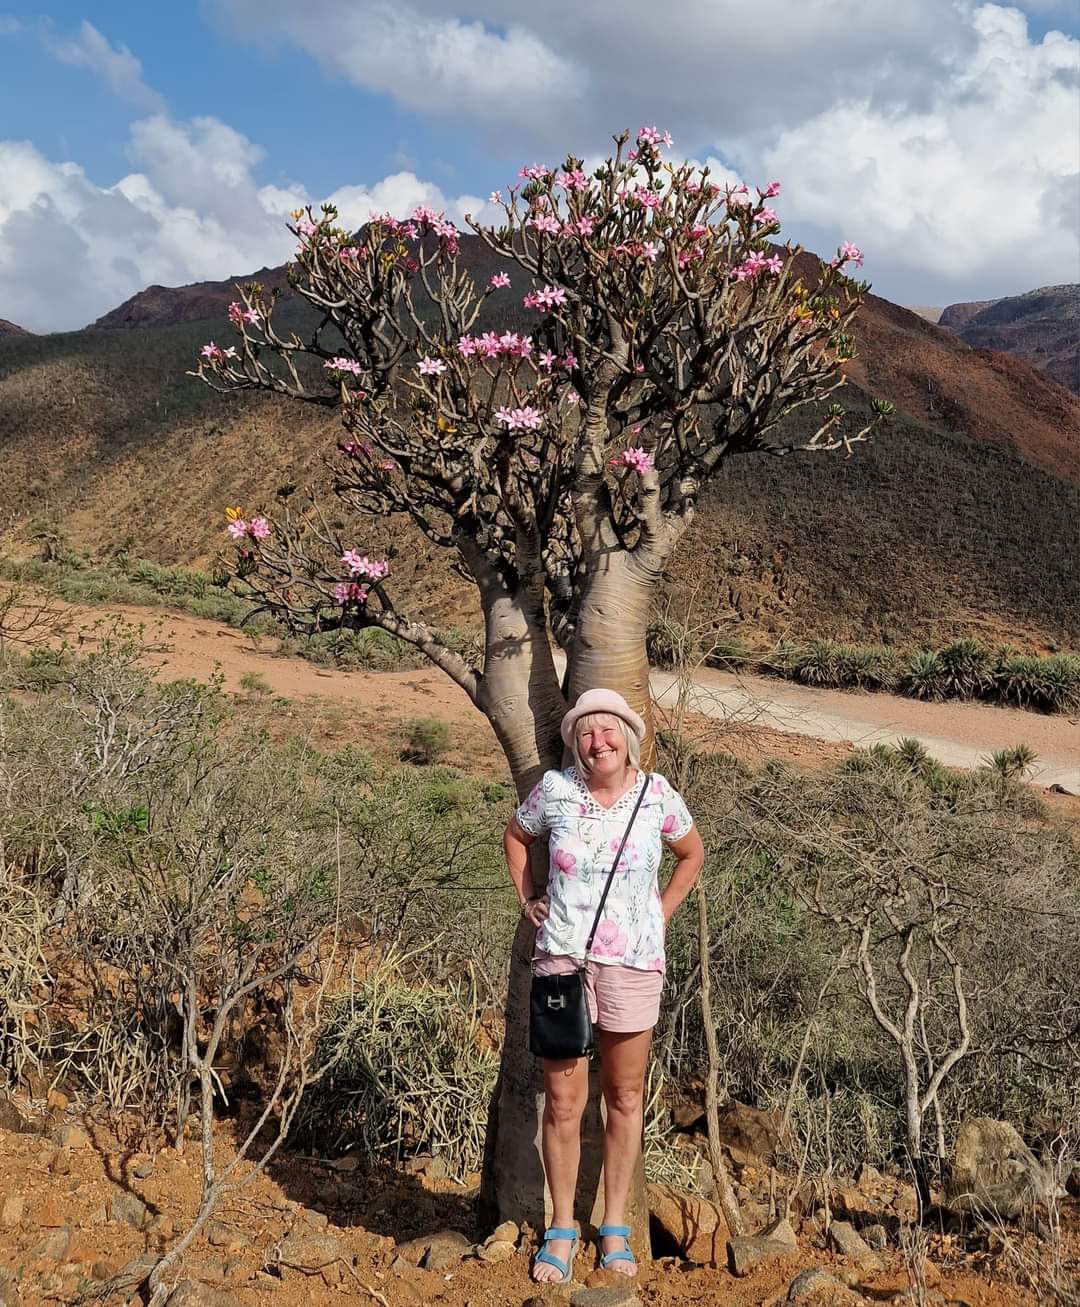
x=609, y=651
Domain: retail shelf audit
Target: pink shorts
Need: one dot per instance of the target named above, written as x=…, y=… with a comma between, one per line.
x=621, y=999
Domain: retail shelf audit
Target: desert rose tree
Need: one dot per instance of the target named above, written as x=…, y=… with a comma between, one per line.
x=560, y=466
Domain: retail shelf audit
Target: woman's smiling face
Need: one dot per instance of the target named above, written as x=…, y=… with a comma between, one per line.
x=602, y=746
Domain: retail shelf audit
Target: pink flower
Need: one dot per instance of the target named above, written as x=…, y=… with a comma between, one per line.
x=566, y=862
x=755, y=264
x=646, y=198
x=574, y=180
x=851, y=253
x=260, y=528
x=610, y=941
x=237, y=529
x=737, y=196
x=342, y=364
x=650, y=136
x=348, y=592
x=639, y=459
x=766, y=217
x=773, y=189
x=387, y=465
x=211, y=351
x=495, y=197
x=668, y=825
x=569, y=360
x=535, y=173
x=499, y=279
x=514, y=345
x=236, y=313
x=525, y=418
x=468, y=345
x=487, y=345
x=549, y=298
x=649, y=251
x=429, y=367
x=360, y=565
x=570, y=397
x=544, y=222
x=356, y=449
x=547, y=360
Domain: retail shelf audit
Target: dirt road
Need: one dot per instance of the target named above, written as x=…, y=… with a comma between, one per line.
x=958, y=734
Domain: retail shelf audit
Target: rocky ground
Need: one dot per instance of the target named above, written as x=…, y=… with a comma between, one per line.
x=82, y=1215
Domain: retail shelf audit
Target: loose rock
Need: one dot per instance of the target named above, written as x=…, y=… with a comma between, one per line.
x=747, y=1251
x=616, y=1296
x=496, y=1250
x=849, y=1243
x=694, y=1225
x=11, y=1210
x=752, y=1136
x=781, y=1230
x=445, y=1249
x=193, y=1293
x=877, y=1237
x=507, y=1231
x=310, y=1253
x=130, y=1209
x=810, y=1282
x=70, y=1136
x=55, y=1245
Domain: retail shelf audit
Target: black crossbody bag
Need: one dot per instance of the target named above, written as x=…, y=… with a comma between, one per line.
x=559, y=1022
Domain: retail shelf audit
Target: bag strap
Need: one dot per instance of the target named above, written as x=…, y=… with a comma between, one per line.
x=611, y=873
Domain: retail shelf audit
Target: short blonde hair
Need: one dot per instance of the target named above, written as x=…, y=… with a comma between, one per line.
x=633, y=745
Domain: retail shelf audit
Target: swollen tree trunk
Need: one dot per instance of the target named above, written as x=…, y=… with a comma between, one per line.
x=608, y=651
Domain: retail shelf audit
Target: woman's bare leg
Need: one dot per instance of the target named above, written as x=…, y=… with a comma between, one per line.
x=623, y=1059
x=566, y=1091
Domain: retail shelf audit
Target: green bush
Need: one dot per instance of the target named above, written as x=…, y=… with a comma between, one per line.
x=429, y=739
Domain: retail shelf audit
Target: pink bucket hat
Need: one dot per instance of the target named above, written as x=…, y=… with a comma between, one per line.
x=600, y=701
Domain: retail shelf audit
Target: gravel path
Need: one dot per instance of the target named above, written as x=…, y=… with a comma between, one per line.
x=957, y=734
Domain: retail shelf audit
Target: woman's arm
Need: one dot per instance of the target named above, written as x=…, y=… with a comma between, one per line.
x=516, y=847
x=689, y=859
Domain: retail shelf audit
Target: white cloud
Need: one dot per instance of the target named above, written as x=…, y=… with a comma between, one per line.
x=71, y=250
x=974, y=189
x=9, y=25
x=116, y=66
x=938, y=133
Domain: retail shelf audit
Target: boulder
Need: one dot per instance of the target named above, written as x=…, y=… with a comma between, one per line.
x=13, y=1118
x=614, y=1296
x=496, y=1250
x=994, y=1172
x=445, y=1249
x=11, y=1210
x=694, y=1225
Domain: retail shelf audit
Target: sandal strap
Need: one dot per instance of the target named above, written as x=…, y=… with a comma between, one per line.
x=622, y=1255
x=562, y=1232
x=549, y=1259
x=614, y=1232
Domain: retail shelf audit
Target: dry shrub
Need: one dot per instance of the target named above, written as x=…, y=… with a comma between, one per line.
x=413, y=1071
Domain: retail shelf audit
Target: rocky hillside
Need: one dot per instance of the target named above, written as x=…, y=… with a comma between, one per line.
x=11, y=329
x=159, y=306
x=1042, y=326
x=960, y=518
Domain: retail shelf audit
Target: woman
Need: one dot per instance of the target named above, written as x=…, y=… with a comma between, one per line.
x=583, y=811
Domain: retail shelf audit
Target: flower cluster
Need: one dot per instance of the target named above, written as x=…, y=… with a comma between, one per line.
x=574, y=180
x=240, y=529
x=647, y=250
x=551, y=297
x=490, y=345
x=544, y=222
x=357, y=564
x=520, y=419
x=356, y=449
x=348, y=592
x=214, y=353
x=548, y=359
x=635, y=457
x=650, y=136
x=849, y=254
x=238, y=315
x=534, y=173
x=499, y=280
x=429, y=367
x=343, y=364
x=755, y=264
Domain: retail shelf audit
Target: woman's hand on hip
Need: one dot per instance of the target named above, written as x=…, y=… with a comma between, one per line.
x=535, y=911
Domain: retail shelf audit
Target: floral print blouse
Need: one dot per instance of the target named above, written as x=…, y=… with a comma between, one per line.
x=583, y=838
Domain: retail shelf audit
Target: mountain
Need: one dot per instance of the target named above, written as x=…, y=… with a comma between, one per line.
x=158, y=306
x=1042, y=326
x=960, y=518
x=11, y=329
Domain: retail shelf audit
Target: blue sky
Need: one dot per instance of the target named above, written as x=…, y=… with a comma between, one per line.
x=165, y=142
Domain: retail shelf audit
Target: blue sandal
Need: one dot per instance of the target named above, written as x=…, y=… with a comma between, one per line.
x=620, y=1254
x=543, y=1257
